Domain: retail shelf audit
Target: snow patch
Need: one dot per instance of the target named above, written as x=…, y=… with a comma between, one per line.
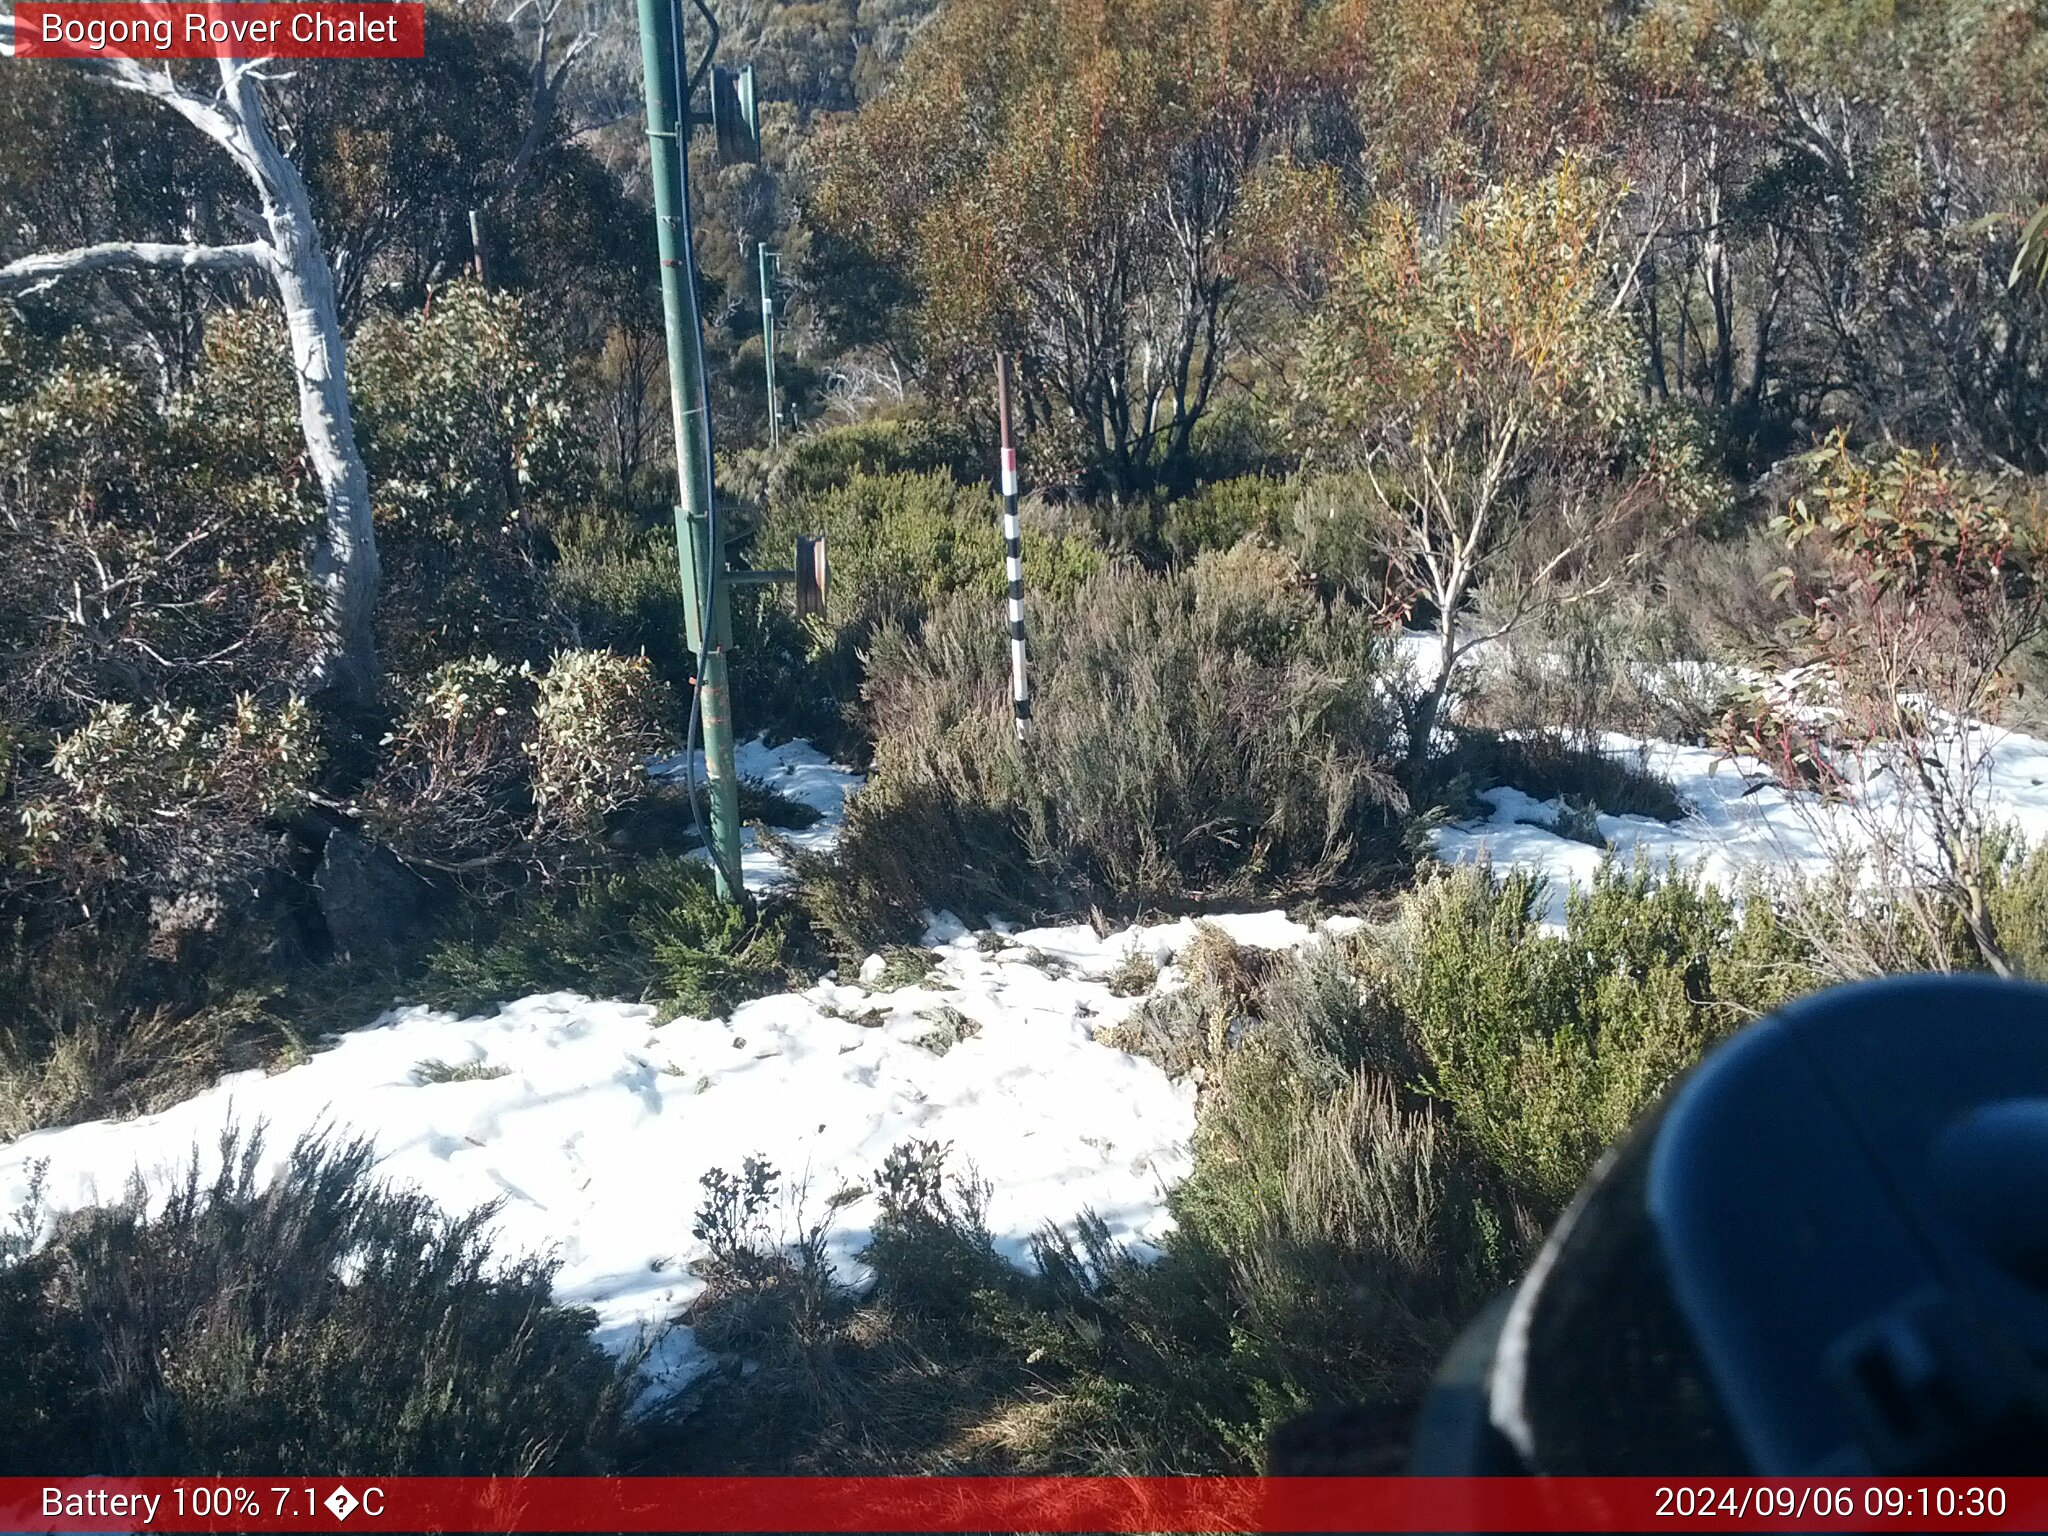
x=795, y=769
x=600, y=1123
x=1740, y=824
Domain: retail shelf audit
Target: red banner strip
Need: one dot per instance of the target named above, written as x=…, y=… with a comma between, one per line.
x=1080, y=1504
x=160, y=29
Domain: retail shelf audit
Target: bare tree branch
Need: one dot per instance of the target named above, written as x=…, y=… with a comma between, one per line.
x=545, y=92
x=32, y=274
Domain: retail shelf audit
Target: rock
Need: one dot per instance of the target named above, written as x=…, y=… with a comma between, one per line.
x=370, y=900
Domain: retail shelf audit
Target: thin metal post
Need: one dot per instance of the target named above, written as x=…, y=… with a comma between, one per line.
x=768, y=264
x=700, y=542
x=1013, y=556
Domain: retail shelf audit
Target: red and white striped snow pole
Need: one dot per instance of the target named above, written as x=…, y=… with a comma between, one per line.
x=1013, y=554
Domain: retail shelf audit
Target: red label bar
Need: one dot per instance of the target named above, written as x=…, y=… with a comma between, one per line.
x=1025, y=1504
x=167, y=29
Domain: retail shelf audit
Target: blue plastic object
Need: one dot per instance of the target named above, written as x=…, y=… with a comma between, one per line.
x=1825, y=1254
x=1851, y=1199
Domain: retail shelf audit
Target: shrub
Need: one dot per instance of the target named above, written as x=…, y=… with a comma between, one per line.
x=901, y=542
x=1579, y=670
x=2017, y=899
x=1236, y=437
x=466, y=418
x=817, y=461
x=1209, y=735
x=1196, y=1023
x=316, y=1322
x=1549, y=766
x=930, y=1249
x=904, y=966
x=1336, y=528
x=619, y=587
x=493, y=769
x=597, y=720
x=1339, y=1228
x=1547, y=1049
x=454, y=790
x=897, y=1376
x=465, y=410
x=1861, y=922
x=1218, y=515
x=1928, y=590
x=653, y=931
x=166, y=796
x=1316, y=1177
x=117, y=1057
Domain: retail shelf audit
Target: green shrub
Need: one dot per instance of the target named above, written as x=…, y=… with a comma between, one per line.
x=495, y=769
x=901, y=542
x=1214, y=734
x=817, y=462
x=467, y=421
x=117, y=1059
x=1217, y=516
x=655, y=930
x=2018, y=901
x=1547, y=1049
x=596, y=721
x=166, y=798
x=1237, y=437
x=1317, y=1177
x=1195, y=1024
x=314, y=1323
x=111, y=1014
x=904, y=965
x=910, y=1373
x=1861, y=922
x=1337, y=529
x=434, y=1071
x=618, y=586
x=930, y=1248
x=1190, y=1363
x=1385, y=1122
x=1331, y=523
x=1626, y=662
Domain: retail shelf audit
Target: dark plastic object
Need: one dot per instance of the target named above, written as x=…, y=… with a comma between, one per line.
x=735, y=115
x=1827, y=1254
x=813, y=576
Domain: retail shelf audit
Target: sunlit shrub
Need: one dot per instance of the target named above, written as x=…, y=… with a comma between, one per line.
x=315, y=1321
x=1207, y=735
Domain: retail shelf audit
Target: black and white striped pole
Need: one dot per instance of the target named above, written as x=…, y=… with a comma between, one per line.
x=1013, y=555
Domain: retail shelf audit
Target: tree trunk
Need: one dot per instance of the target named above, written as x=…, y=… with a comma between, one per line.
x=343, y=669
x=1428, y=710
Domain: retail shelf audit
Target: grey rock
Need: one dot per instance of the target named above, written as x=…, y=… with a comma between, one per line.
x=370, y=900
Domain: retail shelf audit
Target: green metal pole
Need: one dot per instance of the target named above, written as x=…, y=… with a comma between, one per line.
x=700, y=543
x=768, y=343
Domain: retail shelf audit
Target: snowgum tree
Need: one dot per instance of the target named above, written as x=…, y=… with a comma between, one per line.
x=285, y=249
x=1486, y=383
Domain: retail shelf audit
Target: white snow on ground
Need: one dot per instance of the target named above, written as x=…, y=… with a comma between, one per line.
x=1739, y=825
x=596, y=1135
x=797, y=770
x=600, y=1123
